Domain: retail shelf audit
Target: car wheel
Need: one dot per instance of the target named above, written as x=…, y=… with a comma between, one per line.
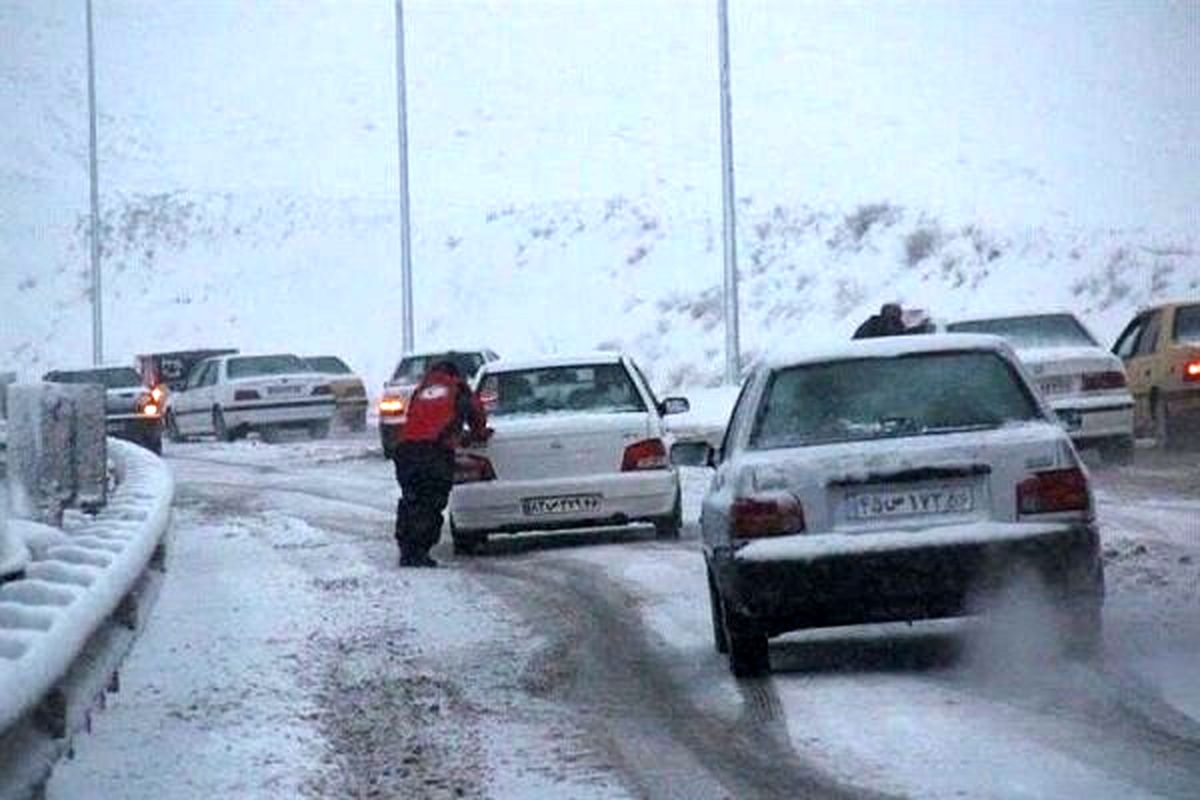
x=749, y=656
x=220, y=429
x=173, y=432
x=670, y=526
x=319, y=430
x=153, y=443
x=1118, y=451
x=466, y=544
x=718, y=616
x=1164, y=434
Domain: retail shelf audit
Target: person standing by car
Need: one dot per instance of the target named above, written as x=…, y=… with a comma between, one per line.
x=441, y=405
x=888, y=322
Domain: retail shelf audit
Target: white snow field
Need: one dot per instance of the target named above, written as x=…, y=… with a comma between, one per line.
x=963, y=158
x=288, y=656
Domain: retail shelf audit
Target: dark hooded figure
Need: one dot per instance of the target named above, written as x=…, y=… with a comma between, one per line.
x=888, y=322
x=440, y=407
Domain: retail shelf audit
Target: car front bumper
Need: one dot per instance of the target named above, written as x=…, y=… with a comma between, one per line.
x=498, y=506
x=880, y=577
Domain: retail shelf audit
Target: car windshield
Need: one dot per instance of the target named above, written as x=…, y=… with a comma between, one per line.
x=1187, y=324
x=109, y=378
x=254, y=366
x=1046, y=330
x=603, y=388
x=412, y=368
x=876, y=398
x=329, y=365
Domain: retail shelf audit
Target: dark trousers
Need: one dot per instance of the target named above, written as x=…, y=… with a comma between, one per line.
x=425, y=472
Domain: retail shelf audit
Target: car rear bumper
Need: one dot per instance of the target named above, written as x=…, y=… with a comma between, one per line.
x=884, y=581
x=296, y=412
x=1095, y=418
x=497, y=506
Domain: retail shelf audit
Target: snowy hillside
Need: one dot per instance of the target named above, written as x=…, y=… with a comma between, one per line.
x=268, y=272
x=564, y=172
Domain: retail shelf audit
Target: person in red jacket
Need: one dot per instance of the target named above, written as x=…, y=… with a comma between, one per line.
x=440, y=407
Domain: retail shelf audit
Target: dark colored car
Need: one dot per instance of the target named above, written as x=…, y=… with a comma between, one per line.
x=131, y=409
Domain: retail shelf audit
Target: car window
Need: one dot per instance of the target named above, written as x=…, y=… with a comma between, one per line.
x=1187, y=325
x=210, y=374
x=1042, y=330
x=328, y=365
x=108, y=377
x=875, y=398
x=196, y=376
x=591, y=388
x=256, y=366
x=1147, y=343
x=1127, y=341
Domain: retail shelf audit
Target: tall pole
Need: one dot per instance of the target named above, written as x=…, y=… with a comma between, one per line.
x=94, y=231
x=729, y=230
x=402, y=140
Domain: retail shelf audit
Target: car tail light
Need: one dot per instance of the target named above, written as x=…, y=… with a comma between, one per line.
x=469, y=468
x=323, y=389
x=391, y=405
x=646, y=454
x=757, y=517
x=1053, y=491
x=1191, y=372
x=246, y=394
x=1098, y=381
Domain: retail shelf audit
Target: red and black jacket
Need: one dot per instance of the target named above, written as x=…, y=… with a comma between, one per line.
x=439, y=407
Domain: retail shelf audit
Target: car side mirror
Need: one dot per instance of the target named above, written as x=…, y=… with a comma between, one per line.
x=674, y=405
x=692, y=454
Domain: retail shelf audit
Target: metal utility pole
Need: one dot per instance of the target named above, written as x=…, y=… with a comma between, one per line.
x=402, y=140
x=94, y=231
x=729, y=231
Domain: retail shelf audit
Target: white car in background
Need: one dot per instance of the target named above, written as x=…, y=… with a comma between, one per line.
x=891, y=480
x=1085, y=384
x=578, y=442
x=230, y=396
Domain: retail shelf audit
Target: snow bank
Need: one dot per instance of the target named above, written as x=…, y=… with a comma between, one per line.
x=75, y=583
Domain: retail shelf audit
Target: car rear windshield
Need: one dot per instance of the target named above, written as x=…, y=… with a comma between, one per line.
x=254, y=366
x=110, y=378
x=413, y=368
x=1187, y=324
x=590, y=388
x=329, y=365
x=877, y=398
x=1044, y=330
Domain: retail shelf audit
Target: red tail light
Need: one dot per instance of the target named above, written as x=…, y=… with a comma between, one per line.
x=1098, y=381
x=1192, y=371
x=246, y=394
x=470, y=468
x=756, y=517
x=1057, y=490
x=646, y=454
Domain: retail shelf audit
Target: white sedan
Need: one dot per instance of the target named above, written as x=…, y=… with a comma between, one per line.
x=888, y=480
x=232, y=395
x=578, y=442
x=1085, y=384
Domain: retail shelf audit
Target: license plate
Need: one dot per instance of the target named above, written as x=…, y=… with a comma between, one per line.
x=283, y=389
x=1052, y=386
x=565, y=504
x=910, y=502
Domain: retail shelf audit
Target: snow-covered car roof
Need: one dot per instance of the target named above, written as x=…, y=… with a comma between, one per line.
x=578, y=359
x=892, y=346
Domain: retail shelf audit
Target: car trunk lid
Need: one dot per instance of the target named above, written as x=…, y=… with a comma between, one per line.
x=563, y=445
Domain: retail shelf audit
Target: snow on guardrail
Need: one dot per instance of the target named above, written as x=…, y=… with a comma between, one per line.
x=74, y=583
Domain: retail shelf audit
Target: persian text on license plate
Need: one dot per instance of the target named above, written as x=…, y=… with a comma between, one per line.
x=565, y=504
x=911, y=502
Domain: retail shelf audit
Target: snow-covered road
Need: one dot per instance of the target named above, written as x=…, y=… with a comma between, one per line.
x=289, y=657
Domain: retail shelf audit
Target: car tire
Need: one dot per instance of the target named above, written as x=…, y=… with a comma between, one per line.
x=153, y=443
x=670, y=526
x=466, y=544
x=1118, y=451
x=718, y=616
x=173, y=432
x=1164, y=432
x=220, y=429
x=319, y=430
x=749, y=654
